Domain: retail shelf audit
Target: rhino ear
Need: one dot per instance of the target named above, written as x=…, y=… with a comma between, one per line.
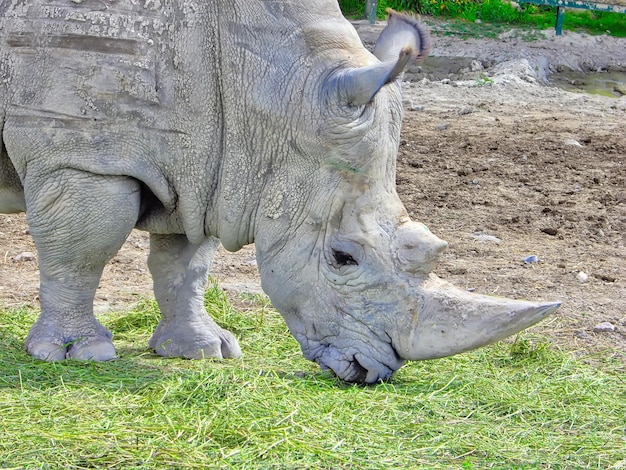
x=404, y=40
x=403, y=34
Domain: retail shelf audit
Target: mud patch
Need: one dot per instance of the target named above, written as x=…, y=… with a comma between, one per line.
x=609, y=84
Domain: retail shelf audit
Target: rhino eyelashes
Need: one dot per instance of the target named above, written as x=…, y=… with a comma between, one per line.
x=344, y=259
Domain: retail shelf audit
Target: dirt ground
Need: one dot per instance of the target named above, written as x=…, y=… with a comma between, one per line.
x=495, y=161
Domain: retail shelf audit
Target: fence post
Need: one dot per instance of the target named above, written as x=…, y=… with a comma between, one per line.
x=370, y=10
x=560, y=16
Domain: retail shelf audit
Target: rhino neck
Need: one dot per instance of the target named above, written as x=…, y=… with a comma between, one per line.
x=272, y=60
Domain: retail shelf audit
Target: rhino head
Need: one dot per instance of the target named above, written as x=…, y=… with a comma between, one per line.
x=345, y=266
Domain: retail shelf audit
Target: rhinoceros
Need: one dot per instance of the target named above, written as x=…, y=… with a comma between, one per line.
x=232, y=122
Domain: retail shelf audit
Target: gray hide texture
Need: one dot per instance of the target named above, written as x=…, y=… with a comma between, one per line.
x=235, y=122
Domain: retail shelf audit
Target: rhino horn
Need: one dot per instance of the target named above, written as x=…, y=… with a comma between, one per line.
x=418, y=249
x=403, y=41
x=449, y=320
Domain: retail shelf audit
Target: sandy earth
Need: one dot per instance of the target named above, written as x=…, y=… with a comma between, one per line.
x=496, y=162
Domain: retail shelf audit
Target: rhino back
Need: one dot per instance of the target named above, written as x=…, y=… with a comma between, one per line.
x=86, y=60
x=195, y=99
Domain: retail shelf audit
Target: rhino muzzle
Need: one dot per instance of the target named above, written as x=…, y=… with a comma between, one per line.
x=444, y=321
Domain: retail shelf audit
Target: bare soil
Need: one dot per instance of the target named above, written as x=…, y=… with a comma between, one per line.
x=495, y=161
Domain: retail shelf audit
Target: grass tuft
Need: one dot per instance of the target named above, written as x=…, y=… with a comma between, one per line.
x=520, y=404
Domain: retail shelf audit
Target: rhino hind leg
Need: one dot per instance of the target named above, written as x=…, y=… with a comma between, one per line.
x=78, y=221
x=180, y=270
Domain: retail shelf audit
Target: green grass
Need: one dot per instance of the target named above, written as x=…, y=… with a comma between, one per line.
x=514, y=405
x=498, y=12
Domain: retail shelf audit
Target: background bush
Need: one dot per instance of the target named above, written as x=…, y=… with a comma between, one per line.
x=498, y=11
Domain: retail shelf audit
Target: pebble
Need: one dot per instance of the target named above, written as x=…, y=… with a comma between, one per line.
x=477, y=66
x=531, y=259
x=604, y=327
x=582, y=277
x=484, y=238
x=25, y=256
x=550, y=231
x=620, y=88
x=605, y=277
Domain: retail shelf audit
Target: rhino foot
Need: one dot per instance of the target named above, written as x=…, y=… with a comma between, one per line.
x=92, y=349
x=194, y=341
x=50, y=347
x=46, y=350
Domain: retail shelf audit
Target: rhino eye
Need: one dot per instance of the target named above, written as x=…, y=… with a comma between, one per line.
x=344, y=259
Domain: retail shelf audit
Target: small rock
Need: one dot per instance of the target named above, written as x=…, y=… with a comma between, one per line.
x=478, y=21
x=531, y=259
x=573, y=143
x=411, y=106
x=550, y=231
x=457, y=271
x=582, y=277
x=25, y=256
x=604, y=327
x=443, y=127
x=476, y=66
x=484, y=238
x=604, y=277
x=620, y=88
x=467, y=110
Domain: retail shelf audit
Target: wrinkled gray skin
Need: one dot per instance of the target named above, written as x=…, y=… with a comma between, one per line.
x=235, y=121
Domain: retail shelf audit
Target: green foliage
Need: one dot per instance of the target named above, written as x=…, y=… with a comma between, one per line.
x=513, y=405
x=498, y=11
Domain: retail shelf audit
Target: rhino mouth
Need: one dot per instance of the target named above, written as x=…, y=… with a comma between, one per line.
x=352, y=366
x=359, y=354
x=353, y=372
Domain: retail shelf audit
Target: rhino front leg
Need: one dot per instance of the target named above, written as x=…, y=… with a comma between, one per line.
x=180, y=270
x=78, y=221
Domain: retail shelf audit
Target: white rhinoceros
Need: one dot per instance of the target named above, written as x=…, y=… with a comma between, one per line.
x=233, y=121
